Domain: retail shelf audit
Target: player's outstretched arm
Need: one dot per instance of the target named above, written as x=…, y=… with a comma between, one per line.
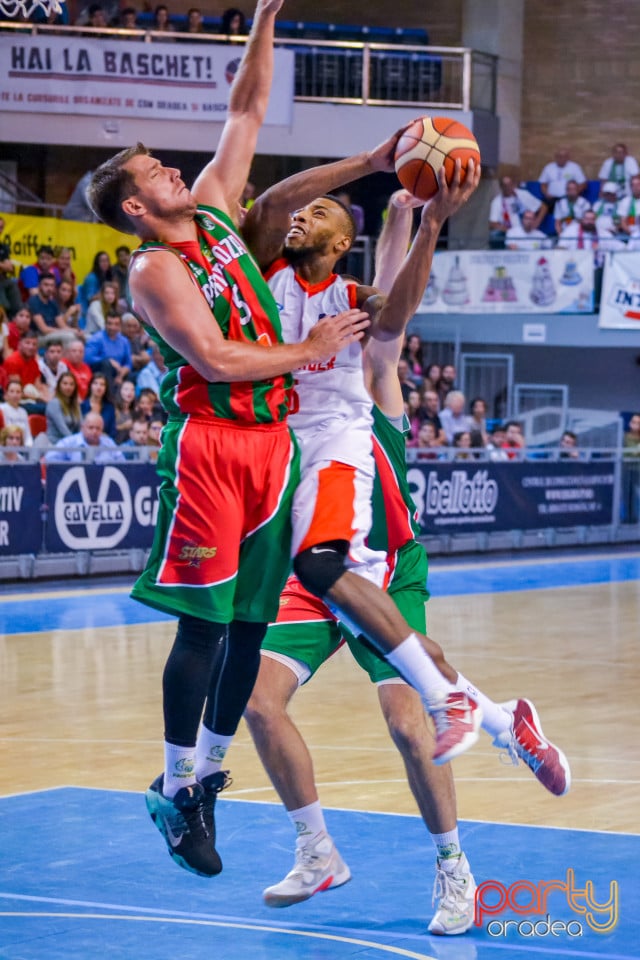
x=395, y=237
x=381, y=356
x=408, y=287
x=165, y=297
x=268, y=221
x=222, y=181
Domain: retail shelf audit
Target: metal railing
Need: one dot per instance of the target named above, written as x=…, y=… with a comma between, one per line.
x=340, y=71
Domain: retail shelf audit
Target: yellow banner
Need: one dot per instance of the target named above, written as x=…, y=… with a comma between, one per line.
x=24, y=234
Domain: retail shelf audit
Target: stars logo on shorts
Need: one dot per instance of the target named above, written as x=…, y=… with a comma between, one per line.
x=195, y=554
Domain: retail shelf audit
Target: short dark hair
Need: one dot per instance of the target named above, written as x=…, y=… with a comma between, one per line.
x=352, y=229
x=45, y=249
x=46, y=276
x=111, y=184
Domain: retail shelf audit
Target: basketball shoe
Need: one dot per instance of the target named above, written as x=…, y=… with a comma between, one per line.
x=181, y=821
x=318, y=866
x=212, y=785
x=526, y=741
x=454, y=892
x=457, y=720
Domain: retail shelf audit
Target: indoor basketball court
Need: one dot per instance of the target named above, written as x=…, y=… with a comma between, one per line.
x=83, y=868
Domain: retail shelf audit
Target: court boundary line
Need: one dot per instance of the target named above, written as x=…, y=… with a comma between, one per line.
x=273, y=803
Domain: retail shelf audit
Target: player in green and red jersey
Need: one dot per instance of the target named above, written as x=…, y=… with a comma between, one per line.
x=228, y=462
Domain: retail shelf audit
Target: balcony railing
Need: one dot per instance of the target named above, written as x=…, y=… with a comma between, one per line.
x=452, y=78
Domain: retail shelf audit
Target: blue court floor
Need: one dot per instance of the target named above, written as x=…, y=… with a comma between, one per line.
x=84, y=873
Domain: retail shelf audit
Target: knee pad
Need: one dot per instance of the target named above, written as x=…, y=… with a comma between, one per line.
x=318, y=567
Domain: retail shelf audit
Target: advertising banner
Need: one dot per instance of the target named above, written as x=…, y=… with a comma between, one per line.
x=510, y=281
x=20, y=509
x=24, y=234
x=620, y=299
x=109, y=77
x=93, y=507
x=471, y=497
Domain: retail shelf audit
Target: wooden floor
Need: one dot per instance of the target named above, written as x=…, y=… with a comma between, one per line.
x=82, y=707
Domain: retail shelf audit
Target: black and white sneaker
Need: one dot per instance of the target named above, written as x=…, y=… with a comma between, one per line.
x=181, y=821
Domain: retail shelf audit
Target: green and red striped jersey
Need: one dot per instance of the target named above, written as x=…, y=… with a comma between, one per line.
x=244, y=309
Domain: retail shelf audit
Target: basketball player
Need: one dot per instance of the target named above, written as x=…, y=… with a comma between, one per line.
x=228, y=461
x=306, y=635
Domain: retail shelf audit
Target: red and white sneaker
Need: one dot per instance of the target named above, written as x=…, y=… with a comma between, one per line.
x=318, y=867
x=526, y=741
x=457, y=720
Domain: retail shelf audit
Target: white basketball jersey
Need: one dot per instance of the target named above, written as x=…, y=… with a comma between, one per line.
x=331, y=409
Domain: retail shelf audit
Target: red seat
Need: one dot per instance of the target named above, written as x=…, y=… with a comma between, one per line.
x=1, y=420
x=37, y=423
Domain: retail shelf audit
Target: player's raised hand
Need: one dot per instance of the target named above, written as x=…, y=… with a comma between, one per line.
x=269, y=6
x=404, y=200
x=331, y=334
x=382, y=157
x=450, y=198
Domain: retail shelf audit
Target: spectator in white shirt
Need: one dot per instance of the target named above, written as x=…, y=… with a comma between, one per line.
x=629, y=209
x=453, y=417
x=555, y=175
x=90, y=437
x=526, y=237
x=589, y=233
x=619, y=168
x=570, y=208
x=606, y=207
x=507, y=208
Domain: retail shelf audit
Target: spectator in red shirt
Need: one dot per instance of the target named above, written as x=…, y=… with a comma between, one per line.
x=23, y=363
x=74, y=359
x=22, y=321
x=514, y=439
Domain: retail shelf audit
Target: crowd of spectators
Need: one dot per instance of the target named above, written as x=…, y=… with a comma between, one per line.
x=115, y=14
x=70, y=351
x=76, y=367
x=446, y=425
x=563, y=216
x=442, y=424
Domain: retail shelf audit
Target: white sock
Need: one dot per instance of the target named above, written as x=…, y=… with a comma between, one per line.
x=179, y=768
x=413, y=662
x=447, y=844
x=495, y=719
x=211, y=749
x=308, y=822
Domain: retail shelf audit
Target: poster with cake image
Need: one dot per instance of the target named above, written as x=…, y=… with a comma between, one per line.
x=510, y=281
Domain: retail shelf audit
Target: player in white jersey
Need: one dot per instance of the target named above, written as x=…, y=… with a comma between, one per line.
x=331, y=512
x=296, y=650
x=330, y=413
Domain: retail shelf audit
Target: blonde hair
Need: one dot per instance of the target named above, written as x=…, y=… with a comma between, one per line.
x=13, y=430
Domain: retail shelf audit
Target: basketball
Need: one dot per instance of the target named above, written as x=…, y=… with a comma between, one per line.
x=428, y=144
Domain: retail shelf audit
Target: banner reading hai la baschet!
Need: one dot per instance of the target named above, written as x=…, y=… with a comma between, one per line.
x=106, y=77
